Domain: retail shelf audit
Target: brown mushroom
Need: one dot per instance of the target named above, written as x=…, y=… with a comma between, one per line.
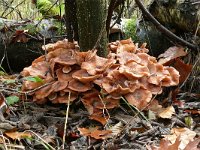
x=83, y=76
x=78, y=86
x=59, y=44
x=126, y=45
x=65, y=98
x=133, y=70
x=126, y=57
x=39, y=69
x=97, y=65
x=139, y=98
x=62, y=77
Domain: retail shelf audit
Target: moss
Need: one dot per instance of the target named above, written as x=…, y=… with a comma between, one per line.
x=130, y=29
x=49, y=9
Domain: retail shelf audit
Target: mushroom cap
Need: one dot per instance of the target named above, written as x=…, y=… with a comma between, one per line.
x=62, y=77
x=62, y=56
x=153, y=88
x=133, y=70
x=118, y=84
x=43, y=92
x=173, y=78
x=39, y=69
x=126, y=45
x=126, y=57
x=64, y=44
x=92, y=101
x=139, y=98
x=66, y=69
x=84, y=56
x=97, y=65
x=78, y=86
x=59, y=86
x=65, y=98
x=83, y=76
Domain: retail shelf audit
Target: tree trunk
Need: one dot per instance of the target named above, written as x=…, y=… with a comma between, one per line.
x=91, y=17
x=179, y=14
x=70, y=20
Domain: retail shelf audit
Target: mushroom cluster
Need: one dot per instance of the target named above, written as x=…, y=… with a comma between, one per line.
x=100, y=82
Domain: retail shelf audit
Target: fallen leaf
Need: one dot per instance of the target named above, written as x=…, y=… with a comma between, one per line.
x=166, y=145
x=183, y=69
x=100, y=118
x=192, y=111
x=12, y=100
x=185, y=134
x=193, y=145
x=171, y=53
x=116, y=129
x=95, y=133
x=167, y=112
x=18, y=135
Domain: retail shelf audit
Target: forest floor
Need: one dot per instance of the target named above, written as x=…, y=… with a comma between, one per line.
x=27, y=125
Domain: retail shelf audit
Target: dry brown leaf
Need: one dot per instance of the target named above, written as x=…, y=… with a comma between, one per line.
x=100, y=118
x=192, y=111
x=183, y=69
x=185, y=134
x=166, y=112
x=166, y=145
x=193, y=145
x=95, y=133
x=171, y=53
x=18, y=135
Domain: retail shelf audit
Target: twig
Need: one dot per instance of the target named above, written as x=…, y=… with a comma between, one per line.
x=4, y=142
x=164, y=30
x=66, y=118
x=119, y=16
x=47, y=144
x=105, y=109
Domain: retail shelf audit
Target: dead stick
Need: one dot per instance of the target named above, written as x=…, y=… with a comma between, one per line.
x=162, y=29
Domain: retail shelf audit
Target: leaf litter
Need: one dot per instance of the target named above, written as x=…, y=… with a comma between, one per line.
x=110, y=101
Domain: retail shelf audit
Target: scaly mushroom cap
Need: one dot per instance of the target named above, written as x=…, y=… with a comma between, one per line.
x=97, y=65
x=39, y=69
x=84, y=56
x=83, y=76
x=154, y=89
x=66, y=69
x=133, y=70
x=173, y=77
x=117, y=84
x=64, y=98
x=62, y=56
x=62, y=77
x=139, y=98
x=142, y=48
x=126, y=45
x=59, y=44
x=43, y=92
x=78, y=86
x=113, y=46
x=92, y=101
x=59, y=86
x=126, y=57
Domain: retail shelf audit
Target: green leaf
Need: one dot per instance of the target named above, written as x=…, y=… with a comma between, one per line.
x=12, y=99
x=2, y=73
x=34, y=79
x=9, y=81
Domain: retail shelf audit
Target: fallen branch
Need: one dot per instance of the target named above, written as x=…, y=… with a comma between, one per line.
x=164, y=30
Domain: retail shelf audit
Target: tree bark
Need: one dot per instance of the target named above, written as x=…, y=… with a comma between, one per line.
x=71, y=20
x=91, y=17
x=179, y=14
